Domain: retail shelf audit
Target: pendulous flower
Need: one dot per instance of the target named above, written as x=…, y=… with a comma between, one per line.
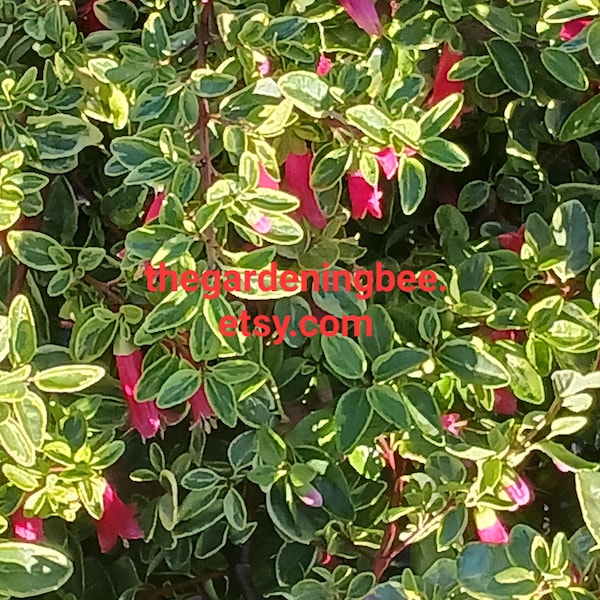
x=442, y=86
x=310, y=496
x=514, y=335
x=265, y=180
x=388, y=161
x=262, y=225
x=88, y=21
x=154, y=208
x=490, y=529
x=264, y=68
x=364, y=197
x=202, y=412
x=30, y=529
x=324, y=66
x=505, y=402
x=513, y=241
x=573, y=28
x=519, y=492
x=452, y=424
x=297, y=182
x=118, y=520
x=364, y=14
x=144, y=416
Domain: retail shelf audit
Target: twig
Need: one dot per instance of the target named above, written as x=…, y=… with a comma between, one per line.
x=243, y=574
x=105, y=290
x=389, y=548
x=167, y=591
x=207, y=172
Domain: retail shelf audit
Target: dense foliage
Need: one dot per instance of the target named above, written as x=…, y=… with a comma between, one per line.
x=145, y=454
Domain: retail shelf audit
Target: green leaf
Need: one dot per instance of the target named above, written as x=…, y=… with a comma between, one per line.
x=352, y=417
x=499, y=20
x=68, y=378
x=389, y=405
x=593, y=41
x=222, y=399
x=511, y=66
x=587, y=484
x=572, y=230
x=370, y=120
x=330, y=169
x=583, y=121
x=398, y=362
x=569, y=10
x=16, y=442
x=178, y=388
x=235, y=511
x=308, y=92
x=413, y=183
x=468, y=67
x=208, y=84
x=472, y=364
x=151, y=103
x=438, y=118
x=444, y=153
x=344, y=356
x=31, y=570
x=155, y=37
x=62, y=136
x=23, y=337
x=38, y=251
x=31, y=413
x=565, y=67
x=201, y=479
x=116, y=14
x=474, y=195
x=154, y=170
x=513, y=191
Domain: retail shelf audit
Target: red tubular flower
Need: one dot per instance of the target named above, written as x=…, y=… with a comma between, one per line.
x=513, y=241
x=452, y=424
x=442, y=86
x=490, y=529
x=202, y=412
x=297, y=182
x=154, y=208
x=364, y=197
x=265, y=180
x=505, y=402
x=324, y=66
x=364, y=14
x=573, y=28
x=88, y=21
x=514, y=335
x=118, y=520
x=519, y=492
x=145, y=416
x=388, y=161
x=30, y=529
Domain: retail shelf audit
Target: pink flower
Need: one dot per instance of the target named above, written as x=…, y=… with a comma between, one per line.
x=490, y=529
x=324, y=65
x=311, y=496
x=297, y=182
x=573, y=28
x=562, y=467
x=514, y=335
x=505, y=402
x=88, y=21
x=118, y=520
x=388, y=161
x=264, y=68
x=364, y=197
x=145, y=416
x=30, y=529
x=265, y=180
x=513, y=241
x=519, y=492
x=262, y=225
x=202, y=411
x=155, y=206
x=442, y=86
x=364, y=14
x=452, y=424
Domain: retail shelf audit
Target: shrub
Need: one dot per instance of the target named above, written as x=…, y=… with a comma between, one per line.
x=150, y=449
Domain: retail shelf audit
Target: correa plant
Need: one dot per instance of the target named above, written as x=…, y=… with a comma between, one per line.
x=453, y=453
